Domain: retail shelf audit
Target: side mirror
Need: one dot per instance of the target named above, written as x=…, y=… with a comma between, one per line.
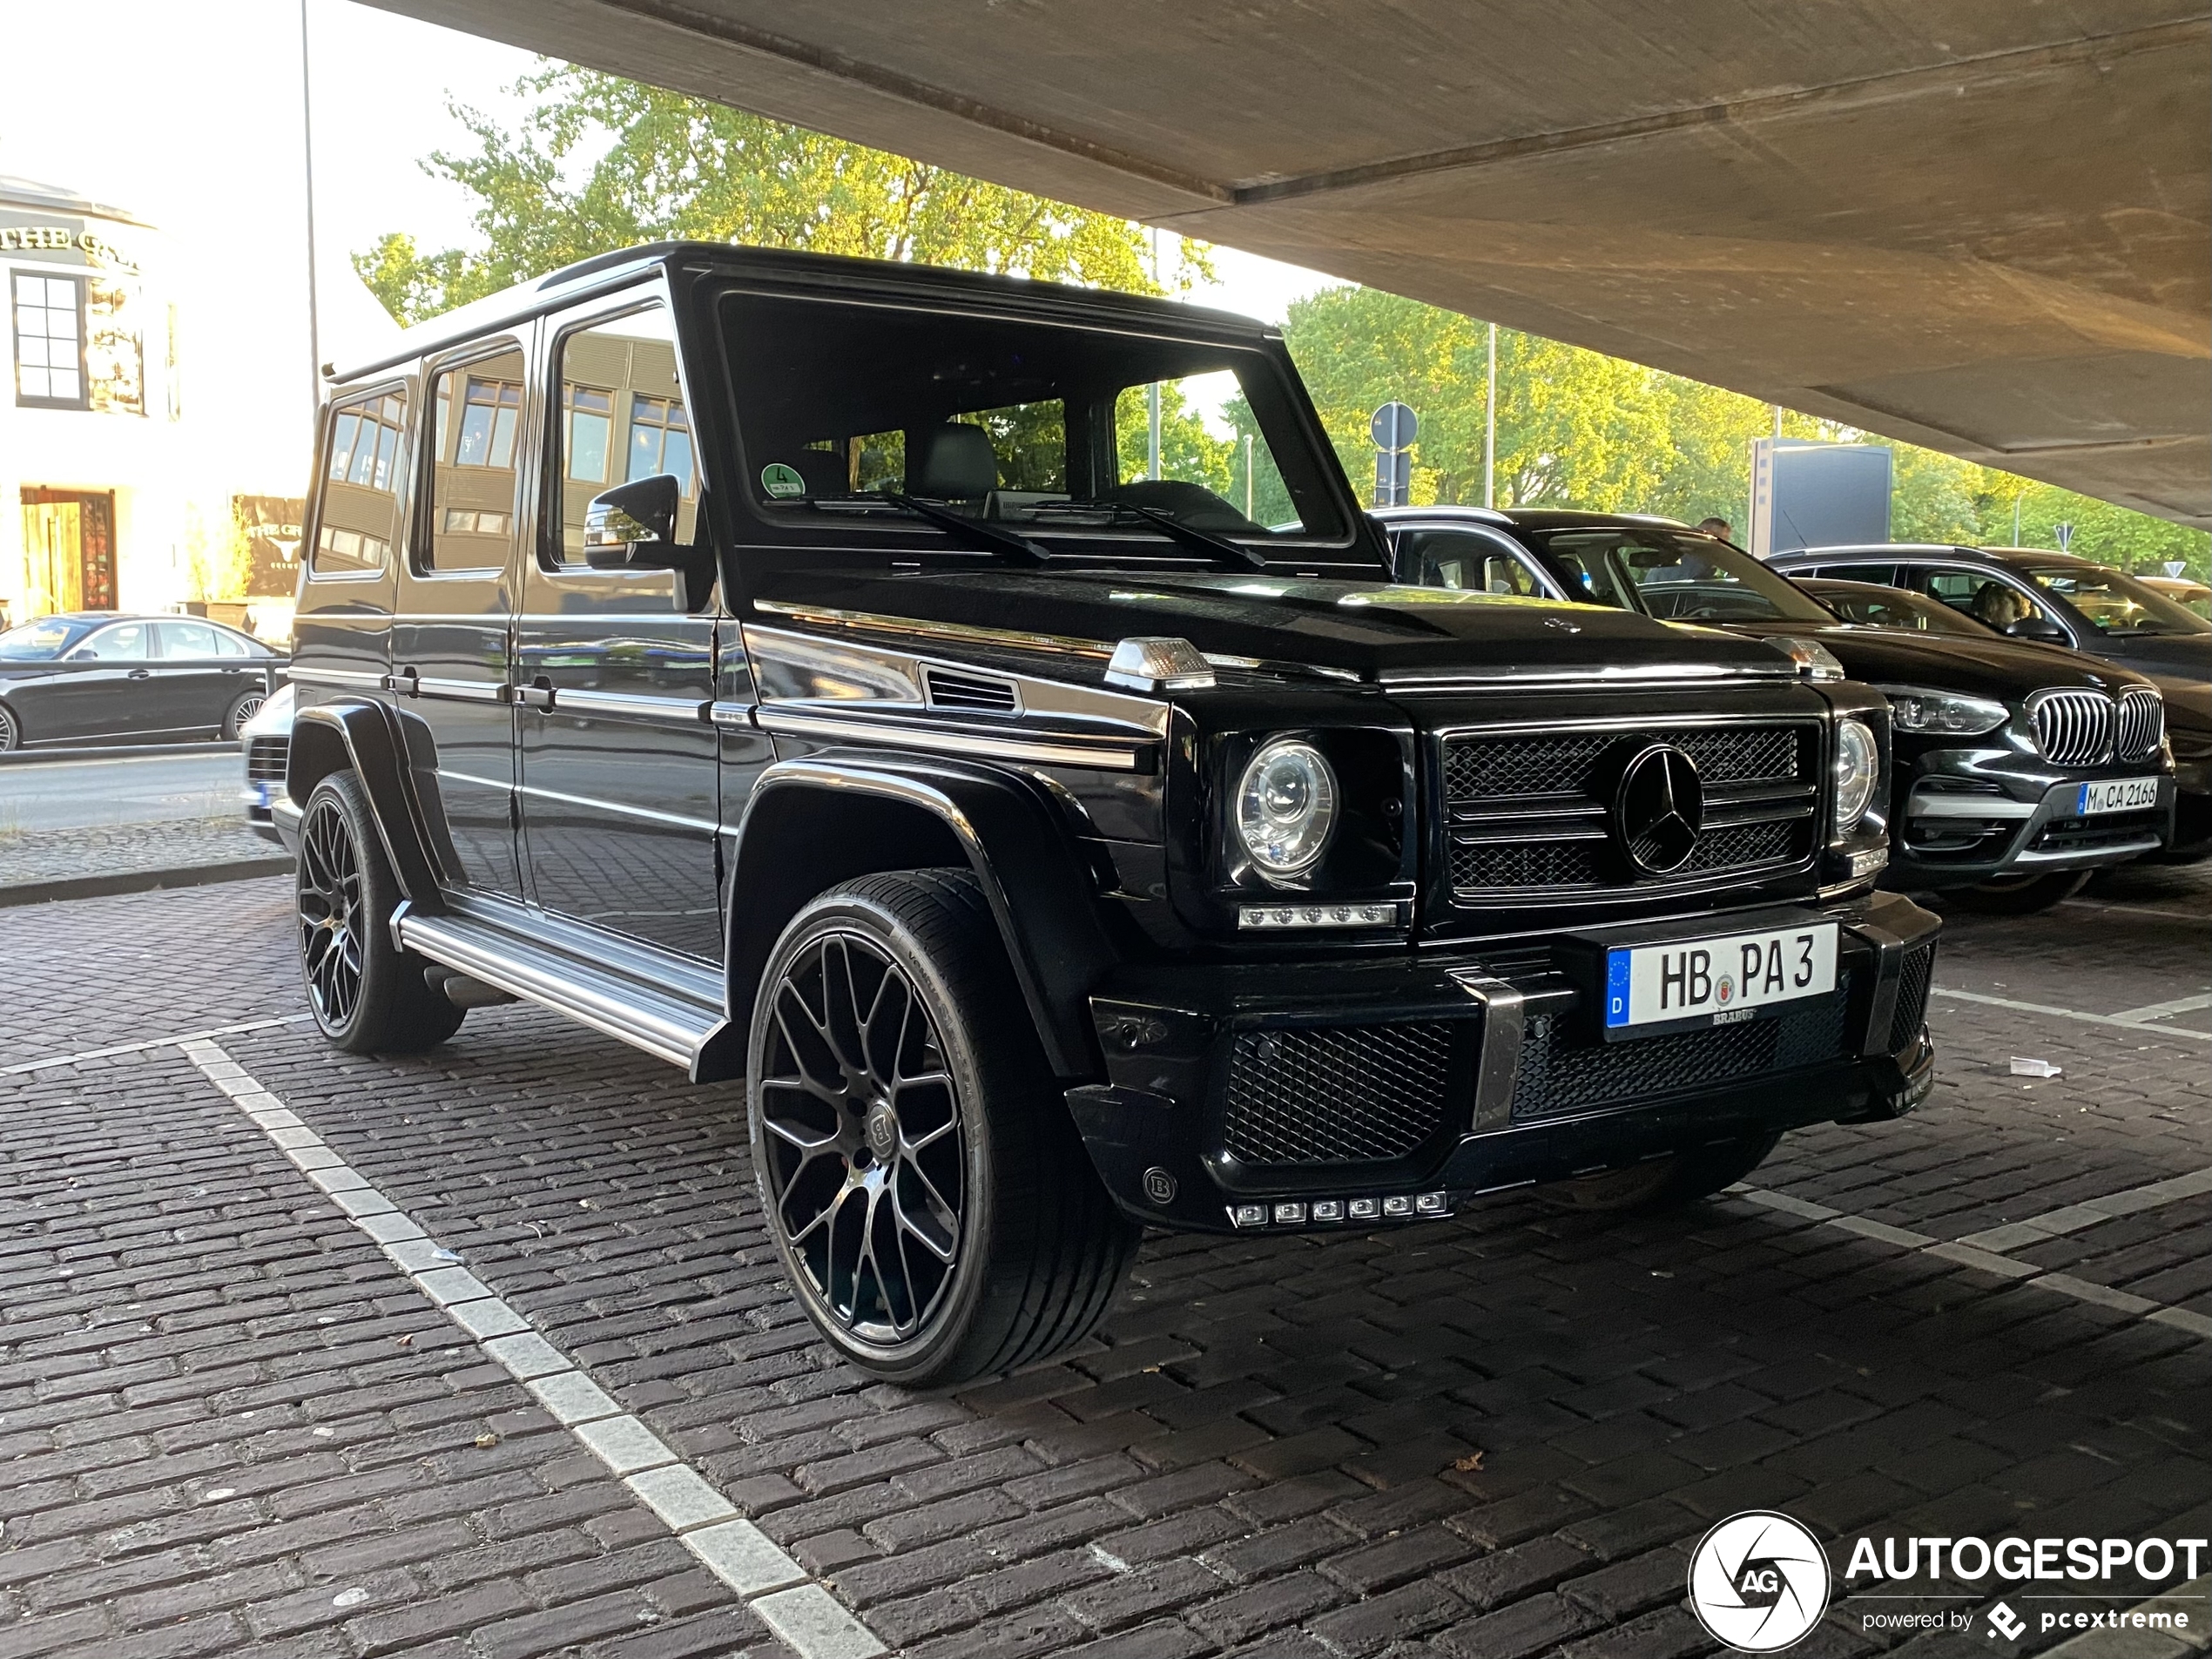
x=632, y=527
x=2041, y=628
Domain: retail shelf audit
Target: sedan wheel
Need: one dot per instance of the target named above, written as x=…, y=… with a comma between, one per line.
x=10, y=729
x=246, y=705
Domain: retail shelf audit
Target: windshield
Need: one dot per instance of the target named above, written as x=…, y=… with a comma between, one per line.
x=2112, y=603
x=39, y=641
x=1674, y=576
x=1030, y=427
x=1894, y=608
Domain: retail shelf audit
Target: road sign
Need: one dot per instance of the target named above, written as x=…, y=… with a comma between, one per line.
x=1394, y=426
x=2065, y=533
x=2175, y=567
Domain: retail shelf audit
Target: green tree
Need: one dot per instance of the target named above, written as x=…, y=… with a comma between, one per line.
x=601, y=163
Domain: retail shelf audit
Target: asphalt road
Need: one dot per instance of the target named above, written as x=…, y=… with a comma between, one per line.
x=199, y=781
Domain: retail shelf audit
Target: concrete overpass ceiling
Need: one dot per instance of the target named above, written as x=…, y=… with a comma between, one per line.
x=1986, y=228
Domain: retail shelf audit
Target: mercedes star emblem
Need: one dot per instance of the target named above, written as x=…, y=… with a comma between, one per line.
x=1659, y=809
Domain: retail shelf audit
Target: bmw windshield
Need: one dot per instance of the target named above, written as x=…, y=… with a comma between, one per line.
x=2116, y=604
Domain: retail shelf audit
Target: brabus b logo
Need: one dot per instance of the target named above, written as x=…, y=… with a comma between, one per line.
x=1758, y=1583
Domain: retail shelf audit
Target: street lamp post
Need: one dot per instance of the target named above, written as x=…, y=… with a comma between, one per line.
x=307, y=156
x=1490, y=427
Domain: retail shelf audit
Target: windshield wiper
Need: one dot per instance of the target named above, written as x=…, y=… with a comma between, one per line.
x=1198, y=541
x=982, y=536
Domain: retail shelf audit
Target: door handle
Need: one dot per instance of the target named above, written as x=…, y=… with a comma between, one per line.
x=538, y=694
x=140, y=674
x=408, y=682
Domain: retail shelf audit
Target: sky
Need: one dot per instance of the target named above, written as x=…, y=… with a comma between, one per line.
x=198, y=131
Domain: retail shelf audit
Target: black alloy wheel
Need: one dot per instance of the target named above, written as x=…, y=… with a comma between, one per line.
x=331, y=913
x=863, y=1121
x=243, y=708
x=937, y=1216
x=369, y=996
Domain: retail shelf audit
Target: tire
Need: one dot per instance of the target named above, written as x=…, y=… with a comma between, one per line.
x=2017, y=895
x=1661, y=1183
x=369, y=996
x=936, y=1214
x=243, y=708
x=10, y=729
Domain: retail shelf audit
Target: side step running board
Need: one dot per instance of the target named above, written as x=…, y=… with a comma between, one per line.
x=669, y=1007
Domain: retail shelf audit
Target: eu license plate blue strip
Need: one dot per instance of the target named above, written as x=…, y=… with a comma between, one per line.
x=1617, y=988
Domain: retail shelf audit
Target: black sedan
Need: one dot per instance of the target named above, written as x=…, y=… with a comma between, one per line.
x=98, y=677
x=2017, y=768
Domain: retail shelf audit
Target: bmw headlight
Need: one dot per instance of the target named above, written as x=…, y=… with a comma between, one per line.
x=1286, y=805
x=1858, y=769
x=1916, y=708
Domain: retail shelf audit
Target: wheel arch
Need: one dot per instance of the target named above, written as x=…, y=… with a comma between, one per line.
x=813, y=822
x=357, y=733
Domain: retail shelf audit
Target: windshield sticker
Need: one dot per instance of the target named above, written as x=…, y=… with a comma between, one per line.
x=781, y=481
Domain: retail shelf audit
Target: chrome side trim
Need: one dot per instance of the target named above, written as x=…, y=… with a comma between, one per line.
x=960, y=633
x=1926, y=803
x=674, y=821
x=1504, y=1023
x=664, y=1027
x=738, y=715
x=636, y=706
x=344, y=676
x=1107, y=754
x=461, y=690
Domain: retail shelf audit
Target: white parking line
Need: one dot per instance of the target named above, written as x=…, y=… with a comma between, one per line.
x=799, y=1609
x=155, y=1043
x=2075, y=1217
x=2137, y=910
x=2074, y=1014
x=1968, y=1254
x=2165, y=1010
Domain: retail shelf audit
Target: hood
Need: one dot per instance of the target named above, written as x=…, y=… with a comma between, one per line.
x=1370, y=628
x=2185, y=656
x=2188, y=704
x=2006, y=668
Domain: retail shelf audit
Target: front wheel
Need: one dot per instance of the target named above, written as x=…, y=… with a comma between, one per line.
x=368, y=996
x=243, y=708
x=1661, y=1184
x=937, y=1216
x=2018, y=895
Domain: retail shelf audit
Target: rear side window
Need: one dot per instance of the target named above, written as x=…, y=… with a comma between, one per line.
x=189, y=639
x=1883, y=576
x=361, y=486
x=472, y=474
x=623, y=418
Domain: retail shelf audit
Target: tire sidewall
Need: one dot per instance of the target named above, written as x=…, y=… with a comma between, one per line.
x=10, y=729
x=973, y=1078
x=362, y=1031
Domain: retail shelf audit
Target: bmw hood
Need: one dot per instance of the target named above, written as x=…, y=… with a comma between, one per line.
x=2005, y=669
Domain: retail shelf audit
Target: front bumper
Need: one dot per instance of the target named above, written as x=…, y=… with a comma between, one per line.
x=1968, y=815
x=1313, y=1096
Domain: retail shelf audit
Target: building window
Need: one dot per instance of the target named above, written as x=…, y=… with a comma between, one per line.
x=660, y=440
x=49, y=341
x=591, y=415
x=488, y=423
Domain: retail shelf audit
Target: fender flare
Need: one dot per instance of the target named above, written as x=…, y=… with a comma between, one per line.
x=364, y=731
x=1015, y=842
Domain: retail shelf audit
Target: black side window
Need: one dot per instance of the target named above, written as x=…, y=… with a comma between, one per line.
x=361, y=486
x=473, y=479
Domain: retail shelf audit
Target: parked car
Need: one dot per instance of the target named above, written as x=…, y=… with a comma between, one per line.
x=2183, y=590
x=1880, y=607
x=1052, y=849
x=2017, y=768
x=2031, y=593
x=97, y=676
x=266, y=742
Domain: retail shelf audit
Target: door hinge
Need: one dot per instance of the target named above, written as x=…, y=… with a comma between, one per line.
x=514, y=810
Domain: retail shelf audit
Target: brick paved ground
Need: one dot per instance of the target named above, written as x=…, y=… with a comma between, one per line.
x=1496, y=1437
x=31, y=856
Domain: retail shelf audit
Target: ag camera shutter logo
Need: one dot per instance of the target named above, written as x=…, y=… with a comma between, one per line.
x=1758, y=1581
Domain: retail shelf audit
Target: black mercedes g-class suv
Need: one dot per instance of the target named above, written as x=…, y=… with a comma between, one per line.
x=977, y=714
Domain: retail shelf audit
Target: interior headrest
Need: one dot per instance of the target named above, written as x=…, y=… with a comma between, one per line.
x=957, y=464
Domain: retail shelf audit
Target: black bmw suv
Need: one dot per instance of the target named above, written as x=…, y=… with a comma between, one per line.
x=2017, y=768
x=897, y=690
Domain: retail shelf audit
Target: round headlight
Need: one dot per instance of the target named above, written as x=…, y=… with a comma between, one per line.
x=1859, y=762
x=1286, y=804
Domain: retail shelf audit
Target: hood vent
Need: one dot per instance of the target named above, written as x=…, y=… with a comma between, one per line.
x=969, y=693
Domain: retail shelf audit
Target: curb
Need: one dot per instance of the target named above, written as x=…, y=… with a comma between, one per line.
x=189, y=749
x=101, y=887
